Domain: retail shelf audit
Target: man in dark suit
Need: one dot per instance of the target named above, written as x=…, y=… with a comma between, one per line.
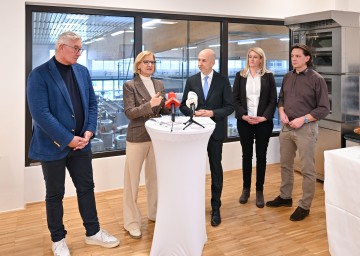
x=215, y=100
x=63, y=106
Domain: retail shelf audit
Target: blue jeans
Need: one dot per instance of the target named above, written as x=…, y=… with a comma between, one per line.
x=80, y=169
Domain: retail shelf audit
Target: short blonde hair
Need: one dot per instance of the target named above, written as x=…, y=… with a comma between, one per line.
x=261, y=53
x=140, y=57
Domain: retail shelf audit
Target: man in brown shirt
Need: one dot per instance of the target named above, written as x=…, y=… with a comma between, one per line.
x=303, y=100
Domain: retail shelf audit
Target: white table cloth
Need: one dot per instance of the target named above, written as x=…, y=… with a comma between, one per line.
x=180, y=227
x=342, y=200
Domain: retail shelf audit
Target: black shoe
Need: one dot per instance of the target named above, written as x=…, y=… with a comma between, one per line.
x=299, y=214
x=215, y=218
x=260, y=199
x=244, y=196
x=279, y=202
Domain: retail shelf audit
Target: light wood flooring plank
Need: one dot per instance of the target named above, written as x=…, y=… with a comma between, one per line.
x=245, y=229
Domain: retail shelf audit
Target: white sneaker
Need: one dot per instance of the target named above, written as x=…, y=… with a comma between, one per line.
x=135, y=233
x=103, y=239
x=60, y=248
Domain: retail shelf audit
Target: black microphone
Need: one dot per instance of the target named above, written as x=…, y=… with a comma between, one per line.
x=173, y=112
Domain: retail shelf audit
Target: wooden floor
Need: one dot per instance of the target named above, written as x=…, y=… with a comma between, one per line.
x=245, y=229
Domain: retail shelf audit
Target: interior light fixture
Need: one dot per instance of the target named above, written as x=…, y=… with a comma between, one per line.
x=88, y=42
x=241, y=42
x=117, y=33
x=157, y=21
x=150, y=22
x=167, y=22
x=191, y=47
x=99, y=39
x=214, y=45
x=284, y=39
x=76, y=17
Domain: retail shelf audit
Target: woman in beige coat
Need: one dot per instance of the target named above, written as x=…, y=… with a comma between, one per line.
x=144, y=98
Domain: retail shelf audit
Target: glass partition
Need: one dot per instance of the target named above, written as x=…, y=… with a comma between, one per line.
x=274, y=40
x=111, y=39
x=108, y=43
x=176, y=44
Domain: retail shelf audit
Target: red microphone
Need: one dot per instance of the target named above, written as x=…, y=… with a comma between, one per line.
x=172, y=103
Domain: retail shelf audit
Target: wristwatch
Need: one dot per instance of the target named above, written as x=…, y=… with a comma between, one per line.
x=306, y=120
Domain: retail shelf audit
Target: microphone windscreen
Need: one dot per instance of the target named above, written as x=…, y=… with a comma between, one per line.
x=172, y=100
x=171, y=95
x=192, y=95
x=168, y=103
x=192, y=99
x=176, y=102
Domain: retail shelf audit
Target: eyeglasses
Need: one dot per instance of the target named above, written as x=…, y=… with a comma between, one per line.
x=76, y=49
x=147, y=62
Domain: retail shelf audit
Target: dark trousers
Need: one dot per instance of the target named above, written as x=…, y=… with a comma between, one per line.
x=79, y=166
x=261, y=133
x=215, y=153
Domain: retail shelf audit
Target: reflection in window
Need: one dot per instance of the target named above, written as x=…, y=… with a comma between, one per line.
x=242, y=37
x=176, y=44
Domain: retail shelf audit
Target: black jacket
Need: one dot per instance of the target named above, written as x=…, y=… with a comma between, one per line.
x=219, y=100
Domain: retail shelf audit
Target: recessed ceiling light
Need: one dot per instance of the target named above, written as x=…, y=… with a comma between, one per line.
x=241, y=42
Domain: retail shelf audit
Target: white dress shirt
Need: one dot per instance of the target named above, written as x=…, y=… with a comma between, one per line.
x=253, y=86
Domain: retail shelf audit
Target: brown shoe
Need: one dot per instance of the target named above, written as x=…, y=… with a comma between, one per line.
x=244, y=196
x=260, y=199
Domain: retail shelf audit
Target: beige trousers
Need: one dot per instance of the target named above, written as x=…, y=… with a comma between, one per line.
x=136, y=154
x=304, y=140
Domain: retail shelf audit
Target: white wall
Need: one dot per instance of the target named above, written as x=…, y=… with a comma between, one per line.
x=19, y=185
x=109, y=172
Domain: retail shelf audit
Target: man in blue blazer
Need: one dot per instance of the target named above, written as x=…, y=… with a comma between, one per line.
x=215, y=100
x=63, y=106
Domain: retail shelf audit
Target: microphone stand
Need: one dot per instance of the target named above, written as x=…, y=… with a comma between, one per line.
x=192, y=121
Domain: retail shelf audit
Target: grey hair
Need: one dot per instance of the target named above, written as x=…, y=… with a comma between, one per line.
x=64, y=37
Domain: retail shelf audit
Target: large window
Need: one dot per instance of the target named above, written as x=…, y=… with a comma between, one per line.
x=111, y=39
x=176, y=44
x=108, y=43
x=274, y=40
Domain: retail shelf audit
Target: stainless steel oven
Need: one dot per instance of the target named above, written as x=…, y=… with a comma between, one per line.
x=343, y=97
x=334, y=37
x=333, y=83
x=328, y=46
